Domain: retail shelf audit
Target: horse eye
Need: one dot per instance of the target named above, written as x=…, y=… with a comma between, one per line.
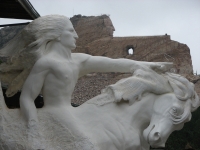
x=177, y=111
x=174, y=110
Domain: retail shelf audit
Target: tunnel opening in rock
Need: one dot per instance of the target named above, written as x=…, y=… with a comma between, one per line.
x=130, y=49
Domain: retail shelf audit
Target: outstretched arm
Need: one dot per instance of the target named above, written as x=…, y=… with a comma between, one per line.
x=105, y=64
x=31, y=89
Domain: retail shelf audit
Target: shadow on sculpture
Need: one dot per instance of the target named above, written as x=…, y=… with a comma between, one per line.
x=134, y=113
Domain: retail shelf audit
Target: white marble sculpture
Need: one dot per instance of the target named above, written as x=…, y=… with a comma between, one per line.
x=134, y=113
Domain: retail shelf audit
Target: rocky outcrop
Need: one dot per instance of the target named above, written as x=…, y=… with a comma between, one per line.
x=96, y=38
x=91, y=28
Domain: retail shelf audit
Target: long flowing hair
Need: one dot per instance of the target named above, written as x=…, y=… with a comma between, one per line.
x=36, y=35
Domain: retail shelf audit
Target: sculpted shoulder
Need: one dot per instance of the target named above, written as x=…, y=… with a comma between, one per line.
x=42, y=64
x=80, y=57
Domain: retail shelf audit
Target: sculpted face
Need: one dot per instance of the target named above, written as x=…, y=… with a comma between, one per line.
x=69, y=36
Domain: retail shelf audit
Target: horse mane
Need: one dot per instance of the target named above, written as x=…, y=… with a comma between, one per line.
x=132, y=88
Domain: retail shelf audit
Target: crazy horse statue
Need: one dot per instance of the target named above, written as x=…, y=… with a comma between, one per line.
x=134, y=113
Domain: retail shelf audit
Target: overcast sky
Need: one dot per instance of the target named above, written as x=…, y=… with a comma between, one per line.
x=178, y=18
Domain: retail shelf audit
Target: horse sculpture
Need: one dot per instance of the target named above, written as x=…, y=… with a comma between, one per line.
x=133, y=114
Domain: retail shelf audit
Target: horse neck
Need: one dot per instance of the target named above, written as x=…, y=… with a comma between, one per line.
x=137, y=115
x=141, y=112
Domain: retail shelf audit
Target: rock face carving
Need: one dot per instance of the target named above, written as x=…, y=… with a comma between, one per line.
x=98, y=31
x=133, y=103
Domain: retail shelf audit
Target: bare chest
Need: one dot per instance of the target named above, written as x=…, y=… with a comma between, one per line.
x=63, y=75
x=65, y=70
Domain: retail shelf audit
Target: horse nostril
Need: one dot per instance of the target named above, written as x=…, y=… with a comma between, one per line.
x=156, y=136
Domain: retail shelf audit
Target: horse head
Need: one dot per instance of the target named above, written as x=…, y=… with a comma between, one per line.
x=171, y=111
x=163, y=102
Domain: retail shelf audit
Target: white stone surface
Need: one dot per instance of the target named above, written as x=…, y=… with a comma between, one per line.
x=134, y=113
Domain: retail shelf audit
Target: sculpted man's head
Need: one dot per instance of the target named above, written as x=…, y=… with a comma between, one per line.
x=36, y=35
x=52, y=27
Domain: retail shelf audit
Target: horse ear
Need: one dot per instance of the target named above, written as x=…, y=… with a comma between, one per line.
x=195, y=102
x=184, y=90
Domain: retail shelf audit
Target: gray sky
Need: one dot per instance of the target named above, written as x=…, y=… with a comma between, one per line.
x=178, y=18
